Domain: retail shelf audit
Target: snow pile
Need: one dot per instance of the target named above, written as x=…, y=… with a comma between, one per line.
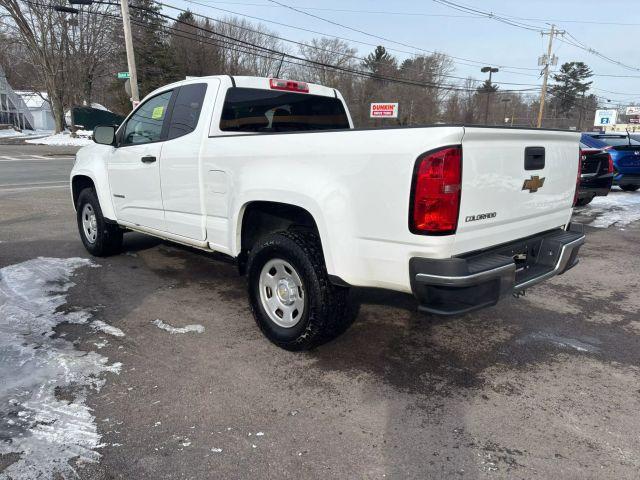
x=171, y=329
x=44, y=380
x=11, y=133
x=85, y=133
x=62, y=139
x=618, y=208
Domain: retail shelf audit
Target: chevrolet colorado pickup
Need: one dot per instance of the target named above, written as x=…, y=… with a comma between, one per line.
x=272, y=173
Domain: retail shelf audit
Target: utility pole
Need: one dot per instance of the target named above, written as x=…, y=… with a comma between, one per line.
x=490, y=87
x=547, y=60
x=131, y=60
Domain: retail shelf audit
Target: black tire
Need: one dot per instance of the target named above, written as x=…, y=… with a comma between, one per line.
x=583, y=201
x=629, y=188
x=325, y=304
x=108, y=239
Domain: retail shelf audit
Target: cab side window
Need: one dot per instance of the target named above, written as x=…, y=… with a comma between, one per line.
x=145, y=125
x=186, y=110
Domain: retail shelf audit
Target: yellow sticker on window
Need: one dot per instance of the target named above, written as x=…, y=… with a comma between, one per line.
x=157, y=113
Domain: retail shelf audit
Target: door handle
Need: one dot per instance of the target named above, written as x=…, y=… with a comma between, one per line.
x=148, y=159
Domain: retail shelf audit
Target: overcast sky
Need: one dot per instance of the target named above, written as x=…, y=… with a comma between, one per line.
x=431, y=26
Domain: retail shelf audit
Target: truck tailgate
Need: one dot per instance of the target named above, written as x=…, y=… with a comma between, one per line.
x=508, y=190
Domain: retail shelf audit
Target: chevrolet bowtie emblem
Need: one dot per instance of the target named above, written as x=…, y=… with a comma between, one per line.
x=533, y=184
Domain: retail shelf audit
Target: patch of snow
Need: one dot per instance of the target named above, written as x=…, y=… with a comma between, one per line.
x=61, y=139
x=558, y=341
x=99, y=106
x=84, y=133
x=46, y=431
x=618, y=208
x=101, y=344
x=106, y=328
x=259, y=434
x=172, y=330
x=216, y=450
x=11, y=133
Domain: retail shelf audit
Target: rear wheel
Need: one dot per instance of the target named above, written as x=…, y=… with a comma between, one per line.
x=292, y=300
x=583, y=201
x=99, y=237
x=629, y=188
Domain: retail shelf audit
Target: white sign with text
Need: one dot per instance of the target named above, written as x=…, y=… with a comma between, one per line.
x=384, y=110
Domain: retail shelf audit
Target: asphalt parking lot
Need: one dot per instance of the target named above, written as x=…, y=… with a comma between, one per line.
x=167, y=376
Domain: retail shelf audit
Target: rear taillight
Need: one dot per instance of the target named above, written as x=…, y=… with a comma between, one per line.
x=575, y=195
x=610, y=169
x=289, y=85
x=435, y=195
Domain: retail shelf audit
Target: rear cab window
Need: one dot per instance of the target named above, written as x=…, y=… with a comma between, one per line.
x=257, y=110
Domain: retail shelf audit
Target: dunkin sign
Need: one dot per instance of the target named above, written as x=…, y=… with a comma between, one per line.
x=387, y=110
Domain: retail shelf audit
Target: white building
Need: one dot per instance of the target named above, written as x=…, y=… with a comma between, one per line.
x=40, y=109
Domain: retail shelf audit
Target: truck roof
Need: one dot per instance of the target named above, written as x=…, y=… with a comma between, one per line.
x=253, y=82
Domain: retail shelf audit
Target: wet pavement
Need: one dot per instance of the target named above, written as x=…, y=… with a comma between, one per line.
x=544, y=386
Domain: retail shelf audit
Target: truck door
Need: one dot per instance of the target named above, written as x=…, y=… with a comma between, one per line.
x=134, y=167
x=180, y=167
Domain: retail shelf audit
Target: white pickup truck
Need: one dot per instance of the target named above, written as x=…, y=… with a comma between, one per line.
x=272, y=173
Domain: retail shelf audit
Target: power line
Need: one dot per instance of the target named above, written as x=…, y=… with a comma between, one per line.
x=493, y=16
x=573, y=42
x=423, y=14
x=283, y=55
x=459, y=60
x=308, y=45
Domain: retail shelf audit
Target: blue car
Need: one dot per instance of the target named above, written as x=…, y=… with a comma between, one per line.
x=625, y=153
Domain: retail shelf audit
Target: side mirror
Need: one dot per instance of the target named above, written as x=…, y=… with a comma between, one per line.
x=104, y=134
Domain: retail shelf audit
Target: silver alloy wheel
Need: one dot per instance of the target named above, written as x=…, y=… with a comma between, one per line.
x=89, y=223
x=281, y=293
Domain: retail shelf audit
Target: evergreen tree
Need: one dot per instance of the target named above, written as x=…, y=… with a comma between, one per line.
x=380, y=62
x=487, y=87
x=570, y=86
x=151, y=44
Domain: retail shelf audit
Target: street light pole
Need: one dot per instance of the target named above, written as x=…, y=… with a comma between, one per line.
x=490, y=86
x=131, y=60
x=504, y=115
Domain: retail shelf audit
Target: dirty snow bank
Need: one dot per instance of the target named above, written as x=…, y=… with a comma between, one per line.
x=11, y=133
x=171, y=329
x=618, y=208
x=63, y=139
x=45, y=430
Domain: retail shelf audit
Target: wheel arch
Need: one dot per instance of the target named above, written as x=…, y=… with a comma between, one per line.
x=84, y=179
x=257, y=218
x=79, y=183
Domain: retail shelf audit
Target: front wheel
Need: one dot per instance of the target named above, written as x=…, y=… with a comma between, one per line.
x=629, y=188
x=292, y=300
x=99, y=237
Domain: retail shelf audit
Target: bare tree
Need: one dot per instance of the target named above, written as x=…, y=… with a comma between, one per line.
x=62, y=54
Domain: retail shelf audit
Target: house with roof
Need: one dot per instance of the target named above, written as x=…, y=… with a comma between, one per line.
x=40, y=109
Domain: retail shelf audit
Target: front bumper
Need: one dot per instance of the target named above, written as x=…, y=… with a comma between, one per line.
x=462, y=284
